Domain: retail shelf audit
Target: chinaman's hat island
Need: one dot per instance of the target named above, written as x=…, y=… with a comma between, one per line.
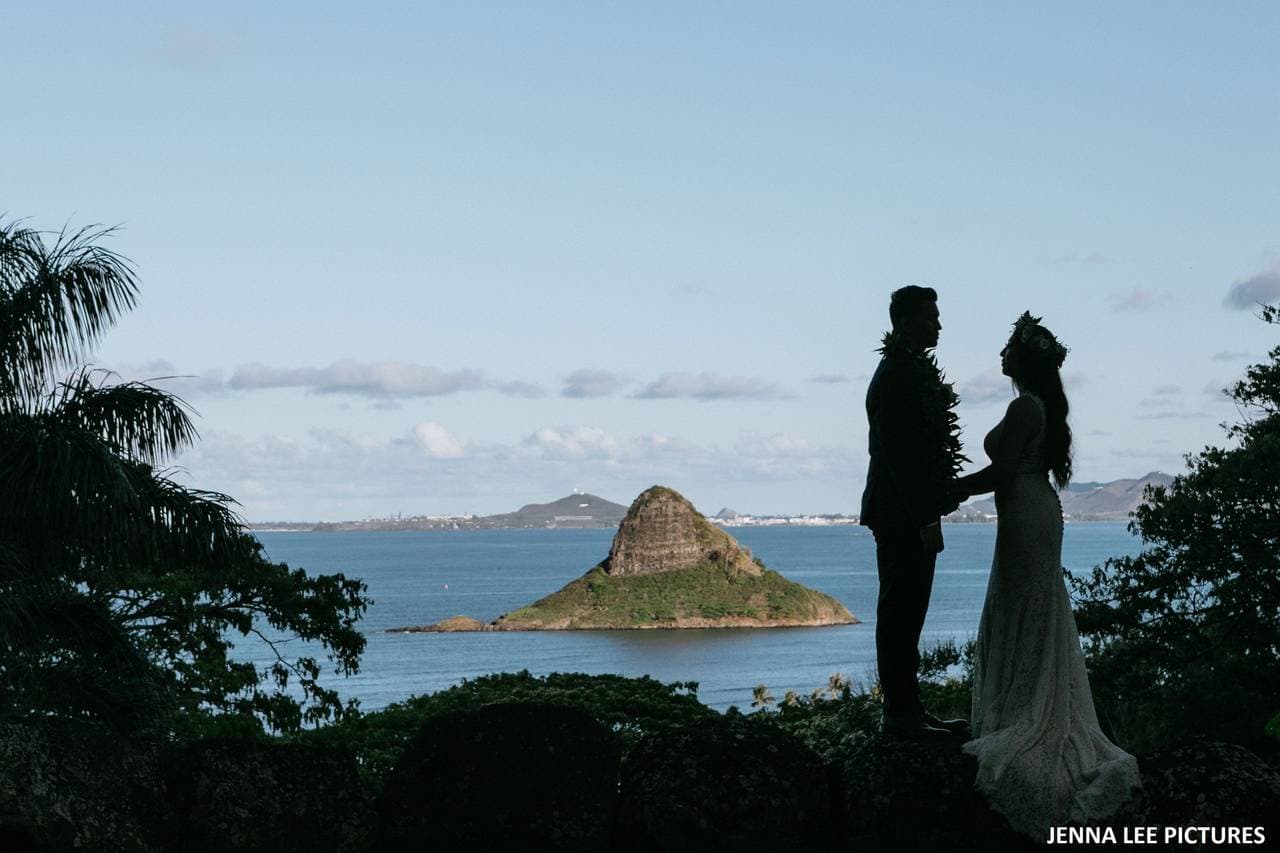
x=669, y=567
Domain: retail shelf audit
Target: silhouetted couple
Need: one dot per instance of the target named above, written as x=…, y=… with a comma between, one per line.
x=1042, y=758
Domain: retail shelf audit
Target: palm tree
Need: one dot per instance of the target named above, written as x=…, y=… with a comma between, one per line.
x=117, y=584
x=761, y=697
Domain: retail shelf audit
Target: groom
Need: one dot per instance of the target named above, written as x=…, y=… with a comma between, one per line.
x=902, y=507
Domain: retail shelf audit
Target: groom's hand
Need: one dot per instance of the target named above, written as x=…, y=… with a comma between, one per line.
x=931, y=538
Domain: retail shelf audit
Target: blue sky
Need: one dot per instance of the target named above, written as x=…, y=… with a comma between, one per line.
x=453, y=257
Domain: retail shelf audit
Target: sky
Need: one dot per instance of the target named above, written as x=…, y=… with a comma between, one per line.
x=446, y=258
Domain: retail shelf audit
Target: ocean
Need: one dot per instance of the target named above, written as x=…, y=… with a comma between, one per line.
x=419, y=577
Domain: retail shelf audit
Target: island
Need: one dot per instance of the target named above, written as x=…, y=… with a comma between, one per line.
x=668, y=567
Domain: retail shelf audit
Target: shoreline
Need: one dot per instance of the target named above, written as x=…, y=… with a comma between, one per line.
x=304, y=527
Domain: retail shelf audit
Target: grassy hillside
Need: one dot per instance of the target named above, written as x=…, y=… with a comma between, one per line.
x=702, y=596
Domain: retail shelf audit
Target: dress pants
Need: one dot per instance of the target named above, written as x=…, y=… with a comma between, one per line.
x=906, y=580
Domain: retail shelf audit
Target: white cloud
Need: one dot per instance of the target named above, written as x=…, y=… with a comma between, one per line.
x=709, y=386
x=384, y=379
x=578, y=442
x=335, y=474
x=436, y=441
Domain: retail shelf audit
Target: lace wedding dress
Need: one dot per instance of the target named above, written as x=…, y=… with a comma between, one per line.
x=1042, y=759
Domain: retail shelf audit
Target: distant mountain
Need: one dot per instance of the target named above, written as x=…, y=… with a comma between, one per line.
x=570, y=511
x=576, y=510
x=1111, y=501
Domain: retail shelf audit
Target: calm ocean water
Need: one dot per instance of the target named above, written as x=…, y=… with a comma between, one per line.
x=420, y=577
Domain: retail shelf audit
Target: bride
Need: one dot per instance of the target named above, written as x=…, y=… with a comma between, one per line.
x=1043, y=761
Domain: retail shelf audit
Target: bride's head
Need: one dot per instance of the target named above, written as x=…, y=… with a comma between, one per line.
x=1032, y=359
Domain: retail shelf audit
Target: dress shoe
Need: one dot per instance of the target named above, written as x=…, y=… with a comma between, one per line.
x=955, y=727
x=912, y=728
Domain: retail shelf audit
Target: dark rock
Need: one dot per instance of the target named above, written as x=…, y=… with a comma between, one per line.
x=232, y=794
x=511, y=776
x=68, y=784
x=722, y=784
x=1205, y=783
x=919, y=795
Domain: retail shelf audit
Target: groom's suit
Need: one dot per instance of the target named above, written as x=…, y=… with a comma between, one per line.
x=897, y=502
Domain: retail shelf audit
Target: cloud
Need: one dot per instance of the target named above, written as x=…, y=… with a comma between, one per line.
x=707, y=386
x=578, y=442
x=831, y=378
x=1249, y=293
x=591, y=383
x=1141, y=299
x=384, y=379
x=1231, y=355
x=338, y=474
x=165, y=375
x=521, y=389
x=777, y=444
x=1167, y=390
x=990, y=386
x=436, y=441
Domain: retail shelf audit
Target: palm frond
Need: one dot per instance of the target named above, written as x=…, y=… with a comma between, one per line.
x=59, y=483
x=140, y=421
x=56, y=300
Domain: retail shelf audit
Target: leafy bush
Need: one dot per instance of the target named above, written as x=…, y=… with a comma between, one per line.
x=1184, y=637
x=631, y=706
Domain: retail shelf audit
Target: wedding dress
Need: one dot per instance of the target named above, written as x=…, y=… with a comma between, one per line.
x=1043, y=761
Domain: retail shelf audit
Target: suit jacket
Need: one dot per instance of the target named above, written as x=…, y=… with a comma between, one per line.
x=899, y=492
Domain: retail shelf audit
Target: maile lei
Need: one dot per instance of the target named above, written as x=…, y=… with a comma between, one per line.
x=940, y=425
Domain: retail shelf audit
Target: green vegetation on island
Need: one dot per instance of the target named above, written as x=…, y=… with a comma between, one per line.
x=668, y=567
x=697, y=597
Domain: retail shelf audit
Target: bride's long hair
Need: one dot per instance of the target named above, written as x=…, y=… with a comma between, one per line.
x=1038, y=373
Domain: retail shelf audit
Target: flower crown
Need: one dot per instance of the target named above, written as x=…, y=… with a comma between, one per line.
x=1037, y=338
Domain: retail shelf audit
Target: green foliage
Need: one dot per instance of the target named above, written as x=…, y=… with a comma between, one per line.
x=631, y=706
x=1273, y=727
x=600, y=600
x=118, y=586
x=833, y=721
x=1184, y=637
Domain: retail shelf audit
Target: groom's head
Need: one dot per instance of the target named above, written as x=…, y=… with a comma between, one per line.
x=913, y=311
